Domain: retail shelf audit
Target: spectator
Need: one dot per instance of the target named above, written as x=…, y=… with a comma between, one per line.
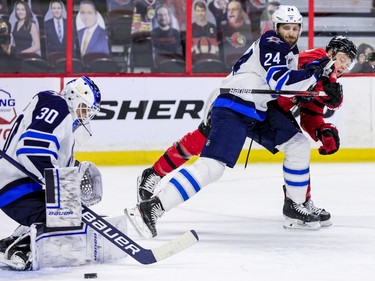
x=8, y=62
x=146, y=9
x=165, y=38
x=55, y=28
x=266, y=18
x=365, y=59
x=25, y=31
x=3, y=7
x=92, y=38
x=218, y=9
x=178, y=9
x=254, y=10
x=120, y=5
x=236, y=34
x=204, y=32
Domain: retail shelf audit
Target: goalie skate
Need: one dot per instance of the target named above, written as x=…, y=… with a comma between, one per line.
x=17, y=255
x=16, y=262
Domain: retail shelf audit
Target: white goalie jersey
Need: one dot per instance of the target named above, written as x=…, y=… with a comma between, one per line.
x=41, y=137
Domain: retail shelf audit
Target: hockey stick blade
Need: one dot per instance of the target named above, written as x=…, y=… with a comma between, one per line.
x=119, y=239
x=142, y=255
x=271, y=92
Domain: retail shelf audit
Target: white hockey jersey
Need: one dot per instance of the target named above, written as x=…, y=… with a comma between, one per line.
x=268, y=64
x=41, y=137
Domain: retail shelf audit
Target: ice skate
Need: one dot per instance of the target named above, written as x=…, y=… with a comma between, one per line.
x=144, y=217
x=297, y=216
x=17, y=253
x=325, y=217
x=6, y=242
x=146, y=184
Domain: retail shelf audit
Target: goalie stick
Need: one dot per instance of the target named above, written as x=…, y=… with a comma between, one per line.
x=119, y=239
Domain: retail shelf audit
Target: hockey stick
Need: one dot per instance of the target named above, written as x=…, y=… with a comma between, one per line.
x=272, y=92
x=326, y=72
x=119, y=239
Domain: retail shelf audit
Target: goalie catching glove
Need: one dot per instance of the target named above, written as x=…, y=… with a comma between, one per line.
x=91, y=184
x=329, y=136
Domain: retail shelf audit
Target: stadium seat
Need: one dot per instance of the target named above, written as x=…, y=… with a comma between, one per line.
x=34, y=65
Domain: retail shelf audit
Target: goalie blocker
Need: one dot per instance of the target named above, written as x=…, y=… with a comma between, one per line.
x=67, y=189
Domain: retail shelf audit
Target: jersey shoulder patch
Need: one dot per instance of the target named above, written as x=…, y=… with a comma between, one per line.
x=270, y=40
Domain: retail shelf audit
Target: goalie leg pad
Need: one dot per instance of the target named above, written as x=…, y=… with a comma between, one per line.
x=73, y=246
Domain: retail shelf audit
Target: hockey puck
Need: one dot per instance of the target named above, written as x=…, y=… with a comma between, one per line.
x=90, y=275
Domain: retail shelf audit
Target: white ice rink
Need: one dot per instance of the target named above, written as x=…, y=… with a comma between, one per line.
x=239, y=222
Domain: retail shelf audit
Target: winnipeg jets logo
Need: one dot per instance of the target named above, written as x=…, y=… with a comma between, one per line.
x=274, y=40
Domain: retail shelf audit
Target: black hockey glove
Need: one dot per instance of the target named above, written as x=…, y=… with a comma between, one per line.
x=317, y=67
x=329, y=136
x=334, y=94
x=304, y=99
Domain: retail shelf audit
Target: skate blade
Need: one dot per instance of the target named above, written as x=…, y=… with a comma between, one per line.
x=326, y=223
x=298, y=224
x=135, y=218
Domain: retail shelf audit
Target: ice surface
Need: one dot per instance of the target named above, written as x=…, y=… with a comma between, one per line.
x=239, y=222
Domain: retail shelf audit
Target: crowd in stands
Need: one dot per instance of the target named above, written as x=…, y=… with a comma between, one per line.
x=139, y=35
x=365, y=59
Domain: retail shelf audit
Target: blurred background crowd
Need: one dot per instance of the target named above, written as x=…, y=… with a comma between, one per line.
x=150, y=36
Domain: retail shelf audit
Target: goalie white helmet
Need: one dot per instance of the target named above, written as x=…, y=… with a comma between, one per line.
x=286, y=14
x=83, y=98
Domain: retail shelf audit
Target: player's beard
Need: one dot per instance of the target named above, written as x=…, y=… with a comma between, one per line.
x=292, y=41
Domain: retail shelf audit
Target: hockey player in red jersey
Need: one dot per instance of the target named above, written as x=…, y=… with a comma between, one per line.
x=311, y=120
x=311, y=113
